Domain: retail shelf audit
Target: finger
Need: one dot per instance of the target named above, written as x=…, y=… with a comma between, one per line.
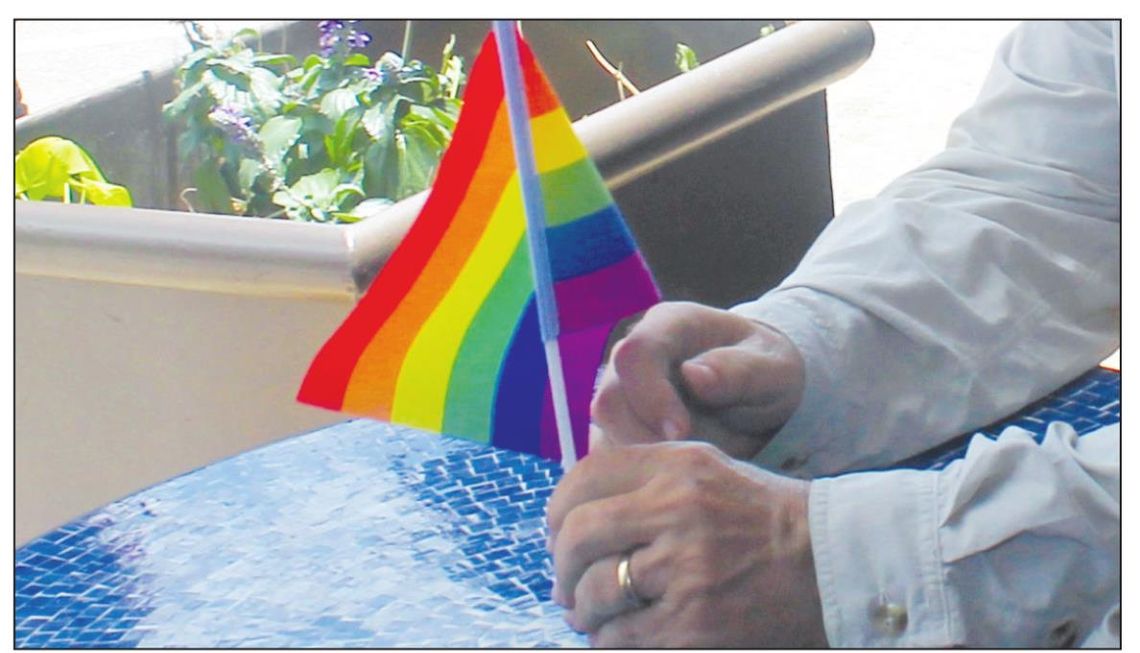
x=635, y=629
x=603, y=473
x=640, y=393
x=646, y=362
x=599, y=596
x=596, y=530
x=598, y=439
x=618, y=422
x=758, y=371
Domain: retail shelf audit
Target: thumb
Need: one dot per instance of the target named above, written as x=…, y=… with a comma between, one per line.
x=734, y=376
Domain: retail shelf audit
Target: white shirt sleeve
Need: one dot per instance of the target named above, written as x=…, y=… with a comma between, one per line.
x=1017, y=544
x=978, y=282
x=970, y=286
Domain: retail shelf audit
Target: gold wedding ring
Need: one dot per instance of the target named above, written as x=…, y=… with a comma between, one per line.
x=625, y=582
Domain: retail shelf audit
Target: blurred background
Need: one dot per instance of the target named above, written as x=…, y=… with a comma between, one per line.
x=884, y=119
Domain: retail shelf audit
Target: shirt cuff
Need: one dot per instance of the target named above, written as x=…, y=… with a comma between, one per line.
x=801, y=447
x=874, y=538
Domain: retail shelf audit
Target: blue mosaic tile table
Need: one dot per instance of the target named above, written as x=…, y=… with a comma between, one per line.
x=357, y=535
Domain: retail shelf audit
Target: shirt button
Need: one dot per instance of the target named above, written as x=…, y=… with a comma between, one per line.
x=1063, y=635
x=792, y=463
x=888, y=617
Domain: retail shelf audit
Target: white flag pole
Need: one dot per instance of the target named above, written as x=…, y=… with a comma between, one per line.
x=514, y=89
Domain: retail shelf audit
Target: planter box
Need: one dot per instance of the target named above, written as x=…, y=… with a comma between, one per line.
x=151, y=342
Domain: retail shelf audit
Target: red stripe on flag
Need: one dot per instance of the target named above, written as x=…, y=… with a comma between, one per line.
x=328, y=376
x=540, y=95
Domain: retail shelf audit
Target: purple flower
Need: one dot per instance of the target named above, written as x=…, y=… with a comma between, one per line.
x=335, y=32
x=328, y=41
x=237, y=126
x=358, y=39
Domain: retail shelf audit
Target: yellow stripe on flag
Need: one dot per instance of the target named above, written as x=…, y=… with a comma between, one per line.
x=555, y=145
x=421, y=389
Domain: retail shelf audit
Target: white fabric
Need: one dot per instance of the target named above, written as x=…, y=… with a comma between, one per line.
x=970, y=286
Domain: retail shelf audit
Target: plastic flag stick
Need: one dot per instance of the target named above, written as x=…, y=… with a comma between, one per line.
x=535, y=210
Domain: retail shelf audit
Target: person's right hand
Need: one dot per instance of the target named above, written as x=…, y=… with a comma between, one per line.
x=688, y=371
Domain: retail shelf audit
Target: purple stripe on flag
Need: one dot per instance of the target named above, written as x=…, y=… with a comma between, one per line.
x=605, y=296
x=582, y=353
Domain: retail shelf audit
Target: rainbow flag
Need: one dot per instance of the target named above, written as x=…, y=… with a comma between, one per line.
x=447, y=337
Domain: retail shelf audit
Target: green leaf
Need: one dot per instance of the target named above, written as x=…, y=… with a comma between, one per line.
x=176, y=107
x=248, y=172
x=313, y=197
x=103, y=193
x=188, y=142
x=228, y=73
x=213, y=195
x=685, y=58
x=418, y=156
x=357, y=59
x=286, y=60
x=390, y=61
x=245, y=33
x=380, y=168
x=380, y=120
x=425, y=127
x=448, y=49
x=366, y=209
x=266, y=90
x=451, y=70
x=311, y=61
x=339, y=143
x=335, y=103
x=319, y=187
x=343, y=193
x=47, y=166
x=278, y=134
x=288, y=202
x=197, y=56
x=445, y=120
x=195, y=64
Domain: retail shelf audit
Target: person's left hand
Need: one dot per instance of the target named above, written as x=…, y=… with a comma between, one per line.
x=720, y=550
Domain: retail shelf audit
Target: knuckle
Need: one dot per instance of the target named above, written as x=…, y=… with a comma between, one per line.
x=571, y=619
x=575, y=537
x=698, y=458
x=692, y=481
x=629, y=353
x=680, y=501
x=605, y=406
x=592, y=593
x=616, y=633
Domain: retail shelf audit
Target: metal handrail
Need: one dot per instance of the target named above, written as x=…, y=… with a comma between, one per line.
x=263, y=257
x=633, y=137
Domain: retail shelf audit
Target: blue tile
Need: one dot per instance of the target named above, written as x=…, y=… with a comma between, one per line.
x=355, y=535
x=1077, y=404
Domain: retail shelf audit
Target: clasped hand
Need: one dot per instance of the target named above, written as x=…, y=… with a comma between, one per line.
x=718, y=551
x=688, y=371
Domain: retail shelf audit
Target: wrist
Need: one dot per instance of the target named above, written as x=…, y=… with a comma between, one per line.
x=811, y=608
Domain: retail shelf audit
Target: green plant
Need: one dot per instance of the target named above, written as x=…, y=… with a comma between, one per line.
x=330, y=140
x=685, y=58
x=54, y=168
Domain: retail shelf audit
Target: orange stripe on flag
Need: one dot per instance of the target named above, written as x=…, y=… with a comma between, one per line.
x=372, y=385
